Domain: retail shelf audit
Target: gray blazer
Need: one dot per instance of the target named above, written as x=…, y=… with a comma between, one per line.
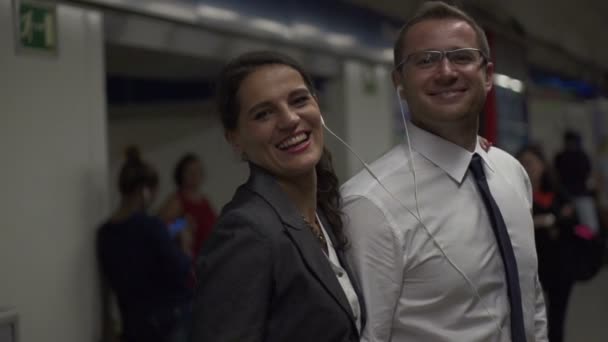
x=262, y=275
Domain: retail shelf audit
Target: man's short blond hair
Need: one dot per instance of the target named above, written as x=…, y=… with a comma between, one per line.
x=438, y=10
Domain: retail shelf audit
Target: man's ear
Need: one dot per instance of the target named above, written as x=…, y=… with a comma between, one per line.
x=396, y=77
x=489, y=77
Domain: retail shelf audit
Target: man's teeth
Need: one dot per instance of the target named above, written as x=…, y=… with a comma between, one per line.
x=293, y=141
x=448, y=92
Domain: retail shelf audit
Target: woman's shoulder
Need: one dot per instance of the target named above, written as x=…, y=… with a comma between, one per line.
x=132, y=219
x=248, y=210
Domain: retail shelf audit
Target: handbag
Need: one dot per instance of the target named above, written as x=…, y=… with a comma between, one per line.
x=588, y=252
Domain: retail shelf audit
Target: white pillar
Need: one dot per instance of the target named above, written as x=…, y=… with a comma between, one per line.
x=53, y=178
x=369, y=111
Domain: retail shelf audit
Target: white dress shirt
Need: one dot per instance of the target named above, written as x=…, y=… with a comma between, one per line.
x=411, y=291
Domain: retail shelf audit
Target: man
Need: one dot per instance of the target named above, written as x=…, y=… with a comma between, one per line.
x=574, y=171
x=468, y=271
x=573, y=165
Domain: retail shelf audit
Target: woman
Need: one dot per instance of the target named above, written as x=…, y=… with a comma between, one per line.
x=554, y=222
x=188, y=202
x=141, y=263
x=274, y=268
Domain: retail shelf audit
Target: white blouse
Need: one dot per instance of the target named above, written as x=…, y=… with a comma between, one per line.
x=343, y=278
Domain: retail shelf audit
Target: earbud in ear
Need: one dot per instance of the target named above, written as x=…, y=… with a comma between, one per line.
x=322, y=121
x=398, y=90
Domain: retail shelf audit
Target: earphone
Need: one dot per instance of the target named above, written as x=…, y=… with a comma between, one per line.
x=416, y=216
x=409, y=147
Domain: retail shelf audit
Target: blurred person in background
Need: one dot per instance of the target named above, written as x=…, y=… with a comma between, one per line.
x=574, y=173
x=554, y=221
x=573, y=165
x=274, y=269
x=603, y=174
x=141, y=263
x=188, y=202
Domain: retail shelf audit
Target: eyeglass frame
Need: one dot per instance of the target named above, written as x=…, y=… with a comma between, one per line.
x=444, y=54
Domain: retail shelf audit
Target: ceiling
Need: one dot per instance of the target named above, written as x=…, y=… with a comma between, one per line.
x=559, y=35
x=573, y=29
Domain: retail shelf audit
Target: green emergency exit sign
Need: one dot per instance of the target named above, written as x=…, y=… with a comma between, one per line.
x=36, y=26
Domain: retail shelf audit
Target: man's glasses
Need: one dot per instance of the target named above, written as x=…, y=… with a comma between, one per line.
x=430, y=59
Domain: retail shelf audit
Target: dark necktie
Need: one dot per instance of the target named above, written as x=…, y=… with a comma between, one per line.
x=518, y=333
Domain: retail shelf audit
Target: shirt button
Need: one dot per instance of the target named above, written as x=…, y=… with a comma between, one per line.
x=340, y=274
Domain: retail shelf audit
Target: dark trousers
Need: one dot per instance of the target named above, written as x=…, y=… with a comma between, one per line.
x=558, y=292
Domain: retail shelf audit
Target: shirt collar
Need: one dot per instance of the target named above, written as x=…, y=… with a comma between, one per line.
x=451, y=158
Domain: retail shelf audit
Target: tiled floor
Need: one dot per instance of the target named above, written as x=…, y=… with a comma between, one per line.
x=587, y=319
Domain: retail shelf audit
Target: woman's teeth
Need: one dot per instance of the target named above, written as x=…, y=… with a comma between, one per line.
x=292, y=141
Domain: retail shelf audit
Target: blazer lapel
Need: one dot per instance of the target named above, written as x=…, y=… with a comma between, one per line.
x=265, y=186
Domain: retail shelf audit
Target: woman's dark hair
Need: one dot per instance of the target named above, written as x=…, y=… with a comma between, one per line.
x=548, y=182
x=329, y=199
x=181, y=166
x=228, y=85
x=572, y=138
x=135, y=174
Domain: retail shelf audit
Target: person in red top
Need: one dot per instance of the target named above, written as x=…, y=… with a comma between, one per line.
x=189, y=202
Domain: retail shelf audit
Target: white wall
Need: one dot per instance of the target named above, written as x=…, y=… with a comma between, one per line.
x=163, y=133
x=53, y=178
x=370, y=115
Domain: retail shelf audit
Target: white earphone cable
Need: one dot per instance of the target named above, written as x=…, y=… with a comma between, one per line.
x=416, y=215
x=453, y=264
